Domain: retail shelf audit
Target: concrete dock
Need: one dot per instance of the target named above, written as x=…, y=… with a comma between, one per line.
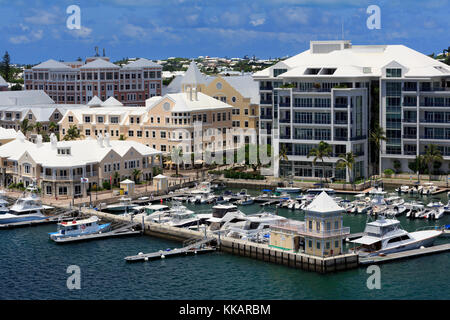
x=405, y=254
x=244, y=248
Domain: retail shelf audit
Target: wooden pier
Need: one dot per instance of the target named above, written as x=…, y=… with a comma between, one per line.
x=405, y=254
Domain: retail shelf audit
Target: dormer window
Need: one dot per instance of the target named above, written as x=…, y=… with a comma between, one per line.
x=30, y=116
x=394, y=73
x=277, y=72
x=312, y=71
x=64, y=151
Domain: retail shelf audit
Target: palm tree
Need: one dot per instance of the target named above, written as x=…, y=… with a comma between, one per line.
x=432, y=155
x=321, y=151
x=283, y=153
x=116, y=178
x=73, y=133
x=376, y=136
x=346, y=161
x=52, y=126
x=38, y=127
x=177, y=157
x=26, y=126
x=136, y=173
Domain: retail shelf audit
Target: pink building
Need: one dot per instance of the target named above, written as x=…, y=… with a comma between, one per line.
x=78, y=82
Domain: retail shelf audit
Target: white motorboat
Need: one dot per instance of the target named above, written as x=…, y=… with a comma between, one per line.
x=394, y=201
x=434, y=214
x=377, y=191
x=245, y=201
x=202, y=188
x=253, y=226
x=288, y=189
x=224, y=214
x=27, y=208
x=76, y=228
x=447, y=207
x=403, y=189
x=124, y=205
x=395, y=210
x=429, y=188
x=317, y=191
x=360, y=207
x=385, y=236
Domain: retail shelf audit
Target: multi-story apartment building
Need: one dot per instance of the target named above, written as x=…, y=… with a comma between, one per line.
x=241, y=92
x=324, y=94
x=35, y=106
x=58, y=167
x=78, y=82
x=162, y=124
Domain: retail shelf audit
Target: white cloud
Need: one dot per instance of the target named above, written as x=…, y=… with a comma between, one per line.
x=34, y=35
x=257, y=19
x=43, y=17
x=133, y=31
x=84, y=32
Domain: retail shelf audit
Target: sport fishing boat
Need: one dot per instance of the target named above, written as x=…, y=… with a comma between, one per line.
x=385, y=236
x=79, y=228
x=124, y=205
x=223, y=214
x=27, y=208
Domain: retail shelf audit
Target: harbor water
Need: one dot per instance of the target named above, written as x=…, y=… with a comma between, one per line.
x=33, y=267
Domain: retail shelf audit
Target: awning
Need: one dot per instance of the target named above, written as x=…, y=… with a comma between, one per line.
x=367, y=240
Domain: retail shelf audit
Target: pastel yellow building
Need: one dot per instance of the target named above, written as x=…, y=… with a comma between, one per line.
x=241, y=92
x=321, y=234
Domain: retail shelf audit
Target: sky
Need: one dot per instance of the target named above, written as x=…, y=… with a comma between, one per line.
x=35, y=31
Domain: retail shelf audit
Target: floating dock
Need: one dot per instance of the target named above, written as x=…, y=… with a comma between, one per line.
x=126, y=230
x=195, y=248
x=405, y=254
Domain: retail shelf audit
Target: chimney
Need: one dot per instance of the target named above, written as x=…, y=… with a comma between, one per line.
x=100, y=140
x=39, y=141
x=53, y=140
x=107, y=140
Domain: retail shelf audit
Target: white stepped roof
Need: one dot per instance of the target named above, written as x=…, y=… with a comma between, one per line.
x=184, y=104
x=95, y=101
x=352, y=61
x=323, y=203
x=52, y=64
x=48, y=157
x=245, y=85
x=9, y=134
x=100, y=64
x=193, y=75
x=141, y=63
x=111, y=101
x=25, y=97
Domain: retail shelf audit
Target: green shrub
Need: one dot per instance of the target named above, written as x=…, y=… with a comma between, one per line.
x=389, y=172
x=106, y=185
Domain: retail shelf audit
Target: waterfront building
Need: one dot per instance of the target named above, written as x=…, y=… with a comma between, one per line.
x=164, y=123
x=328, y=93
x=70, y=168
x=321, y=234
x=35, y=106
x=78, y=82
x=239, y=91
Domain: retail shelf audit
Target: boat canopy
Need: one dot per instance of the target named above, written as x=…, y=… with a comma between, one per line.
x=267, y=190
x=367, y=240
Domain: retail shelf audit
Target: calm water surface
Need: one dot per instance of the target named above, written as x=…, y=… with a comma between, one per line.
x=32, y=267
